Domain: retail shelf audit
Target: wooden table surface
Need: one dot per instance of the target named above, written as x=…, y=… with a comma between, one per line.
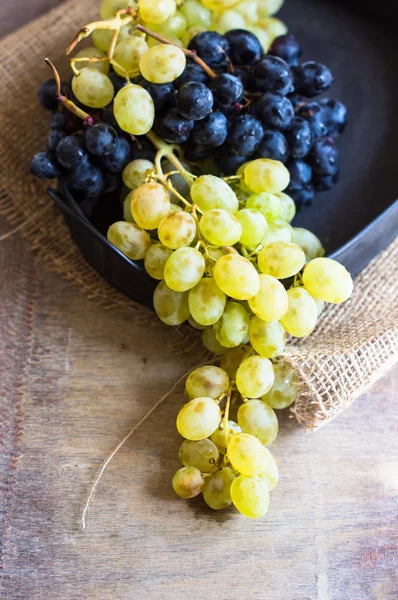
x=75, y=378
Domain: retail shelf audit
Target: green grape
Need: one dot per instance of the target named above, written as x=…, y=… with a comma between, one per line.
x=236, y=277
x=271, y=302
x=149, y=204
x=270, y=475
x=102, y=38
x=220, y=227
x=221, y=437
x=188, y=482
x=127, y=216
x=175, y=26
x=207, y=381
x=174, y=208
x=134, y=109
x=267, y=339
x=210, y=341
x=308, y=242
x=196, y=14
x=250, y=496
x=217, y=489
x=266, y=175
x=320, y=305
x=281, y=259
x=134, y=173
x=272, y=27
x=249, y=10
x=156, y=11
x=206, y=302
x=233, y=327
x=255, y=376
x=93, y=88
x=227, y=20
x=246, y=454
x=302, y=314
x=155, y=260
x=129, y=239
x=254, y=227
x=110, y=7
x=268, y=205
x=262, y=36
x=184, y=269
x=162, y=64
x=278, y=231
x=288, y=207
x=285, y=389
x=199, y=418
x=171, y=307
x=232, y=359
x=92, y=52
x=259, y=419
x=127, y=56
x=202, y=454
x=266, y=8
x=242, y=184
x=177, y=229
x=209, y=192
x=195, y=324
x=327, y=280
x=190, y=33
x=174, y=40
x=220, y=5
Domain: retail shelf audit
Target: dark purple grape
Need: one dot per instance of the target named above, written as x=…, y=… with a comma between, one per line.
x=245, y=47
x=227, y=162
x=299, y=137
x=141, y=147
x=43, y=166
x=324, y=157
x=211, y=131
x=312, y=78
x=245, y=135
x=274, y=111
x=227, y=89
x=117, y=81
x=303, y=196
x=192, y=72
x=315, y=115
x=120, y=156
x=335, y=116
x=288, y=48
x=70, y=151
x=272, y=74
x=162, y=94
x=86, y=179
x=53, y=139
x=48, y=94
x=300, y=174
x=194, y=100
x=194, y=152
x=323, y=183
x=174, y=128
x=274, y=145
x=211, y=47
x=101, y=139
x=58, y=120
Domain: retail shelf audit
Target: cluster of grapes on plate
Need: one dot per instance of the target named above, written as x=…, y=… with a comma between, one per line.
x=223, y=250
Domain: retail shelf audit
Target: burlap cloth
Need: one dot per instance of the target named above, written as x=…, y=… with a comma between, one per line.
x=353, y=345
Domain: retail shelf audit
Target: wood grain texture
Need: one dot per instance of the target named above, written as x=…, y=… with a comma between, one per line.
x=75, y=378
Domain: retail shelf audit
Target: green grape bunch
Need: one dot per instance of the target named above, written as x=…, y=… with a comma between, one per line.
x=229, y=262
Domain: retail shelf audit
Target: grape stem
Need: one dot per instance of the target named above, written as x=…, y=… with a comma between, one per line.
x=167, y=151
x=190, y=53
x=116, y=23
x=68, y=104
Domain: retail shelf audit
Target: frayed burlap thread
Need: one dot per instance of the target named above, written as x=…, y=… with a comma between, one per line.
x=353, y=345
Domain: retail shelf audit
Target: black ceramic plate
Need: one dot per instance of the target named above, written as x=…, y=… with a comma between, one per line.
x=358, y=218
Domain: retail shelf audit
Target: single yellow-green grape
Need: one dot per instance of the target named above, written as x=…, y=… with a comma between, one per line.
x=171, y=307
x=184, y=269
x=199, y=418
x=328, y=280
x=266, y=175
x=255, y=377
x=207, y=381
x=246, y=454
x=206, y=302
x=202, y=454
x=281, y=259
x=209, y=191
x=308, y=242
x=155, y=260
x=220, y=227
x=233, y=326
x=236, y=277
x=162, y=64
x=254, y=227
x=127, y=56
x=222, y=436
x=134, y=173
x=129, y=239
x=271, y=301
x=285, y=389
x=217, y=489
x=188, y=482
x=149, y=204
x=267, y=339
x=196, y=14
x=271, y=473
x=269, y=205
x=93, y=88
x=302, y=315
x=250, y=496
x=177, y=229
x=258, y=418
